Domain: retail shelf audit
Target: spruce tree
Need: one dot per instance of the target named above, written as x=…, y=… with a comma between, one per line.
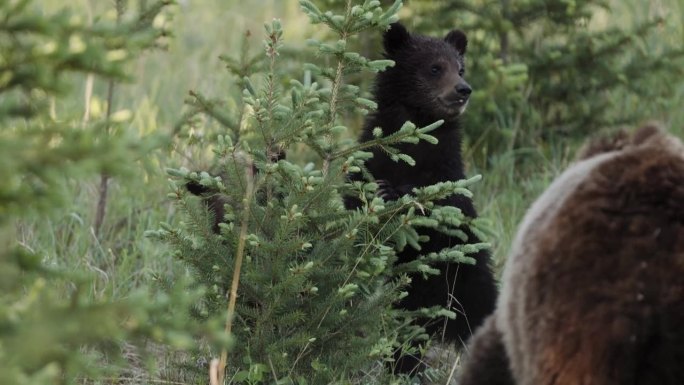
x=52, y=330
x=306, y=286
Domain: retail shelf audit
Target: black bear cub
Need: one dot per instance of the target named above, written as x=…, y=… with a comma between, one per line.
x=427, y=84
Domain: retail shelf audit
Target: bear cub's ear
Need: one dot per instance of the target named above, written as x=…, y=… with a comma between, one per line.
x=458, y=40
x=395, y=38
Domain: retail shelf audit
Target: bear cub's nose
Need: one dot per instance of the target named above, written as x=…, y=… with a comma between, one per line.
x=463, y=90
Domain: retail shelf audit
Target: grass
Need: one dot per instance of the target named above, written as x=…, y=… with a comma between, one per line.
x=122, y=259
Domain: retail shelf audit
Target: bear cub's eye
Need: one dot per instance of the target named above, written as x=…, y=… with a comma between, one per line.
x=436, y=69
x=461, y=72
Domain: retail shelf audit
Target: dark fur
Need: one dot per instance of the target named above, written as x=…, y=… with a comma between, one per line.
x=593, y=292
x=215, y=201
x=412, y=91
x=487, y=359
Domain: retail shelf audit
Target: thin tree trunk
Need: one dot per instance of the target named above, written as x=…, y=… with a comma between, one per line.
x=503, y=35
x=104, y=178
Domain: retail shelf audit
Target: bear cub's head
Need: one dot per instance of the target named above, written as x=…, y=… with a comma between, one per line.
x=428, y=74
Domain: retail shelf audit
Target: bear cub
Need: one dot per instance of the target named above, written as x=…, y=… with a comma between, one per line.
x=427, y=84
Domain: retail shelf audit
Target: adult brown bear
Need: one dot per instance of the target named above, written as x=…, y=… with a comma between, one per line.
x=593, y=291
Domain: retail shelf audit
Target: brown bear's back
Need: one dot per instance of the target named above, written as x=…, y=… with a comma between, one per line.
x=594, y=289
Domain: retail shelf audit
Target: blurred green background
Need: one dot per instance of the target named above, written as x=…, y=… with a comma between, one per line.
x=546, y=75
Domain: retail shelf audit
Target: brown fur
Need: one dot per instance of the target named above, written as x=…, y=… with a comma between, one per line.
x=621, y=140
x=487, y=359
x=593, y=291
